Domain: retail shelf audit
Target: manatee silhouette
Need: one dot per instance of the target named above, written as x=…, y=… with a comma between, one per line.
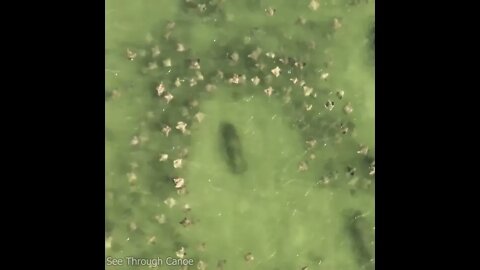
x=232, y=148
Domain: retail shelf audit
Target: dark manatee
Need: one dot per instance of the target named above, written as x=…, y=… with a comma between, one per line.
x=232, y=148
x=372, y=38
x=108, y=226
x=108, y=94
x=362, y=236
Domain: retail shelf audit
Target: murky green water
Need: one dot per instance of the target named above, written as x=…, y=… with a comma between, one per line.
x=290, y=183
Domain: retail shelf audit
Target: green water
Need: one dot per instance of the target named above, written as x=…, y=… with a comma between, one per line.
x=304, y=196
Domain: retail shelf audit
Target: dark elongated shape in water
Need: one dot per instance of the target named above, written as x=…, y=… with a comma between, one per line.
x=363, y=238
x=232, y=147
